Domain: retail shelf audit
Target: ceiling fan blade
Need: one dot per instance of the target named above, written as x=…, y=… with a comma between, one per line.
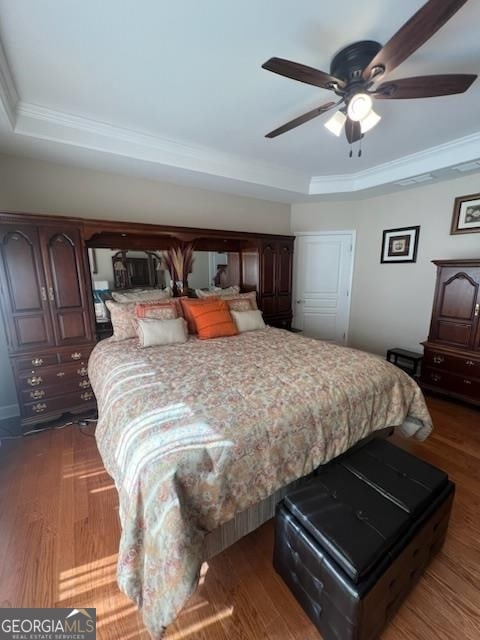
x=421, y=26
x=302, y=73
x=353, y=130
x=296, y=122
x=424, y=86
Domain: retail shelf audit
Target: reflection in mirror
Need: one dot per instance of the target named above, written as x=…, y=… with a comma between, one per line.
x=214, y=269
x=127, y=269
x=112, y=269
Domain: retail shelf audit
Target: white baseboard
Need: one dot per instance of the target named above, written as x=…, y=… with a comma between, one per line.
x=9, y=411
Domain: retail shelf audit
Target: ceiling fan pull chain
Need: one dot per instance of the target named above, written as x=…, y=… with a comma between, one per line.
x=351, y=152
x=360, y=148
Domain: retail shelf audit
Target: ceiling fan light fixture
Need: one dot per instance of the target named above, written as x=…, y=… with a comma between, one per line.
x=359, y=107
x=370, y=121
x=336, y=122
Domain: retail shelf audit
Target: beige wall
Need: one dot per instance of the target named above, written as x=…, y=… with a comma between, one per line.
x=391, y=303
x=43, y=187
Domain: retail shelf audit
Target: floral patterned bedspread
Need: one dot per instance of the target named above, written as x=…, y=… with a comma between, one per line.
x=194, y=433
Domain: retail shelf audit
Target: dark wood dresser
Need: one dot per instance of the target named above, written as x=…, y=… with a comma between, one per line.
x=451, y=363
x=46, y=305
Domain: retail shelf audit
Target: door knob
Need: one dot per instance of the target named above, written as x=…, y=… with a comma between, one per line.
x=300, y=301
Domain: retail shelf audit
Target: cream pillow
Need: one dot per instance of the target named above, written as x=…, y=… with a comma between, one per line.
x=217, y=291
x=152, y=332
x=142, y=295
x=248, y=320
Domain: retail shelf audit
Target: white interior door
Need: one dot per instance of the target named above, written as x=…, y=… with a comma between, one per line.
x=323, y=279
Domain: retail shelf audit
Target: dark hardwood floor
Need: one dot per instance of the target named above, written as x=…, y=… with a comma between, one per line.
x=59, y=532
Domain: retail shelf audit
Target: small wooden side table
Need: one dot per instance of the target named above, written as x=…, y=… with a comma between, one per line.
x=410, y=360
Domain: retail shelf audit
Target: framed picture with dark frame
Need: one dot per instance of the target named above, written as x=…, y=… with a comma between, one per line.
x=400, y=245
x=466, y=214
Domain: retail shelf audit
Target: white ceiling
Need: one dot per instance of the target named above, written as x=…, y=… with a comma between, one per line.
x=176, y=90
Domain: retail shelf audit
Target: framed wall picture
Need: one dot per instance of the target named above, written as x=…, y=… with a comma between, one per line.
x=466, y=214
x=400, y=245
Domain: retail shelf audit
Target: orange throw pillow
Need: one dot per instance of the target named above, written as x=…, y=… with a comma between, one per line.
x=187, y=304
x=213, y=320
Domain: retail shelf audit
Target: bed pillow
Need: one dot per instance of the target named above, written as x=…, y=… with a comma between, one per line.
x=213, y=320
x=160, y=310
x=250, y=295
x=217, y=291
x=153, y=332
x=137, y=295
x=122, y=316
x=248, y=320
x=187, y=304
x=240, y=304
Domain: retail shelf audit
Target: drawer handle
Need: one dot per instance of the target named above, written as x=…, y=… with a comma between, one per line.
x=467, y=381
x=82, y=372
x=37, y=394
x=60, y=374
x=35, y=380
x=76, y=355
x=470, y=363
x=438, y=359
x=435, y=377
x=40, y=407
x=84, y=384
x=37, y=362
x=88, y=395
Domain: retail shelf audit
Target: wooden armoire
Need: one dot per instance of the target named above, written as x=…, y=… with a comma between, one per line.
x=451, y=363
x=275, y=286
x=46, y=304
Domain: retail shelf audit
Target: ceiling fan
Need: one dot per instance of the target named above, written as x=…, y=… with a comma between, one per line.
x=356, y=70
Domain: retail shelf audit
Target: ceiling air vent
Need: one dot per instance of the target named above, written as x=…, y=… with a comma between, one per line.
x=416, y=179
x=468, y=166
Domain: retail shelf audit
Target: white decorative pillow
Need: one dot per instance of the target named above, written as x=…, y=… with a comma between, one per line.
x=142, y=295
x=248, y=320
x=152, y=332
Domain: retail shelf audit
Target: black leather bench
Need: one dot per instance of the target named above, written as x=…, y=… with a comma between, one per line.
x=352, y=541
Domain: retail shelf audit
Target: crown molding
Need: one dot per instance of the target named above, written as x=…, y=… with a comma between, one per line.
x=436, y=158
x=8, y=91
x=47, y=124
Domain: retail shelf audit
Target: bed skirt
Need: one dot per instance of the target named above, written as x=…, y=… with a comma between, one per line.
x=244, y=522
x=247, y=521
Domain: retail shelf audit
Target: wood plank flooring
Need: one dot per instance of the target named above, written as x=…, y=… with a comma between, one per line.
x=59, y=532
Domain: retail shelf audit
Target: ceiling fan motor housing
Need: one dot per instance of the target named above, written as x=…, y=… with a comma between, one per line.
x=349, y=63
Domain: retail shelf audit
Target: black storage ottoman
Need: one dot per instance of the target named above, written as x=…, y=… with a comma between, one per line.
x=352, y=541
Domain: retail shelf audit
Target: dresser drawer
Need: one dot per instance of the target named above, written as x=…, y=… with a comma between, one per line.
x=463, y=365
x=59, y=403
x=58, y=374
x=36, y=361
x=75, y=355
x=461, y=385
x=46, y=392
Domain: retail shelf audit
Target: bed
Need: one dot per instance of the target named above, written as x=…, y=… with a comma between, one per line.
x=204, y=436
